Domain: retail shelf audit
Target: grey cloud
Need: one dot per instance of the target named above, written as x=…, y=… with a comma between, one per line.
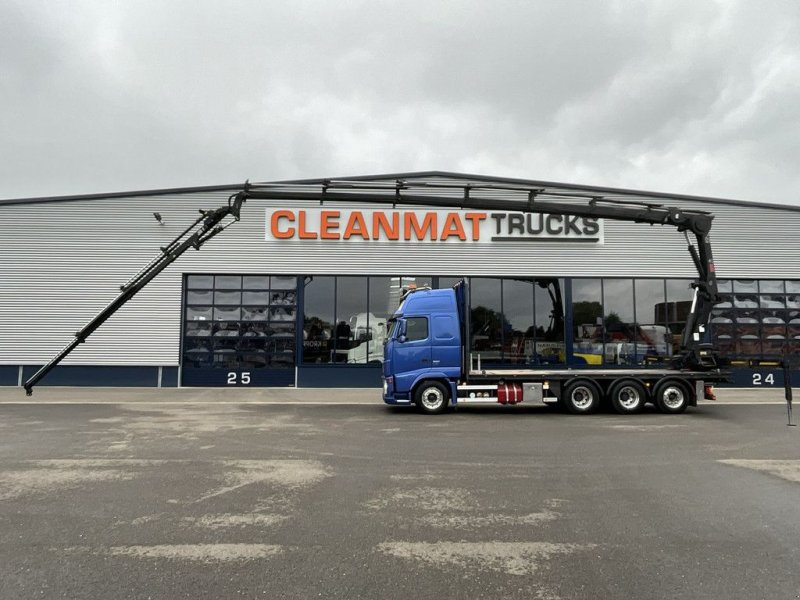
x=691, y=97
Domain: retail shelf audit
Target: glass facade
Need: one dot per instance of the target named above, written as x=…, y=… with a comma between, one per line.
x=250, y=322
x=757, y=319
x=239, y=323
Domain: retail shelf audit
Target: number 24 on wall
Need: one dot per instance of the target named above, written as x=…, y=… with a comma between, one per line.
x=243, y=380
x=769, y=379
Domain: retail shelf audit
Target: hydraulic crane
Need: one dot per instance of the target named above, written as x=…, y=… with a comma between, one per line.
x=694, y=354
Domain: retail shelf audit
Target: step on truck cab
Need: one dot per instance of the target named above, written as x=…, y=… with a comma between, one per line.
x=427, y=363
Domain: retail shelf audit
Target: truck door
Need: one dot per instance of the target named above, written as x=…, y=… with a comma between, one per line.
x=412, y=351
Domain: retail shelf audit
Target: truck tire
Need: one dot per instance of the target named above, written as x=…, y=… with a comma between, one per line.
x=671, y=396
x=581, y=397
x=628, y=396
x=432, y=397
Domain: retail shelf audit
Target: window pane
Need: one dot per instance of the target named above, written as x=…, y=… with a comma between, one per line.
x=199, y=297
x=725, y=285
x=618, y=323
x=587, y=319
x=318, y=320
x=679, y=303
x=254, y=313
x=227, y=314
x=416, y=329
x=745, y=285
x=282, y=313
x=198, y=329
x=549, y=315
x=793, y=286
x=382, y=304
x=223, y=298
x=226, y=329
x=255, y=282
x=771, y=301
x=282, y=298
x=518, y=313
x=448, y=282
x=255, y=298
x=227, y=282
x=352, y=331
x=200, y=282
x=651, y=329
x=283, y=282
x=486, y=331
x=771, y=286
x=415, y=282
x=198, y=313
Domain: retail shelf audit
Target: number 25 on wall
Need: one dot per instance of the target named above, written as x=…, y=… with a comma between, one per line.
x=243, y=380
x=769, y=379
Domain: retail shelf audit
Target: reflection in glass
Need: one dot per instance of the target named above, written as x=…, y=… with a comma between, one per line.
x=587, y=319
x=352, y=325
x=767, y=286
x=653, y=343
x=227, y=314
x=745, y=285
x=549, y=318
x=318, y=320
x=283, y=282
x=618, y=322
x=227, y=282
x=255, y=282
x=486, y=319
x=518, y=338
x=448, y=282
x=679, y=303
x=193, y=297
x=223, y=298
x=240, y=322
x=255, y=298
x=198, y=313
x=200, y=282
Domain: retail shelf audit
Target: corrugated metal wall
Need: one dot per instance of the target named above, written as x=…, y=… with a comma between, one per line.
x=63, y=261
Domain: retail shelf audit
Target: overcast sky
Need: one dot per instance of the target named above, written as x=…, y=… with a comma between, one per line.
x=693, y=97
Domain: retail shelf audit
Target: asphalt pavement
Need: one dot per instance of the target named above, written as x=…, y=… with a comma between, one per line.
x=102, y=497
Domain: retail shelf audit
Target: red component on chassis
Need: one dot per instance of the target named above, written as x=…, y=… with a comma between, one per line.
x=509, y=393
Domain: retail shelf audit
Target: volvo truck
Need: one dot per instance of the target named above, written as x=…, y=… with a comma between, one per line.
x=428, y=362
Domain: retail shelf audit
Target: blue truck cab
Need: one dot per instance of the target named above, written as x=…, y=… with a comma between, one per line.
x=423, y=348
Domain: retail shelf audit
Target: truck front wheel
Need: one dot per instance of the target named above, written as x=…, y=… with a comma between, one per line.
x=432, y=397
x=671, y=397
x=581, y=397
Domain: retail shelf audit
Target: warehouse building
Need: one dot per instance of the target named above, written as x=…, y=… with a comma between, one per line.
x=299, y=294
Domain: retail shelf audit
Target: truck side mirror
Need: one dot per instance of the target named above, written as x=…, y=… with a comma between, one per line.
x=401, y=332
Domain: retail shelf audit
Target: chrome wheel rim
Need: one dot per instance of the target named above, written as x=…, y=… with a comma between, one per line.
x=673, y=397
x=629, y=397
x=432, y=398
x=582, y=397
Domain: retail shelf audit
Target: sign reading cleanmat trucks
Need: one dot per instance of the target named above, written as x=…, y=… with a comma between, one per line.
x=434, y=226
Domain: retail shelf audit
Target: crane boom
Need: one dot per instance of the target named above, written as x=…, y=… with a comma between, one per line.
x=205, y=227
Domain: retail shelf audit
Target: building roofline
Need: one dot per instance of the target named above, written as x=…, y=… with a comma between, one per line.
x=533, y=183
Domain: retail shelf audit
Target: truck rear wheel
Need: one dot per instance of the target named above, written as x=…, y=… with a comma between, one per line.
x=581, y=397
x=432, y=397
x=671, y=397
x=628, y=396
